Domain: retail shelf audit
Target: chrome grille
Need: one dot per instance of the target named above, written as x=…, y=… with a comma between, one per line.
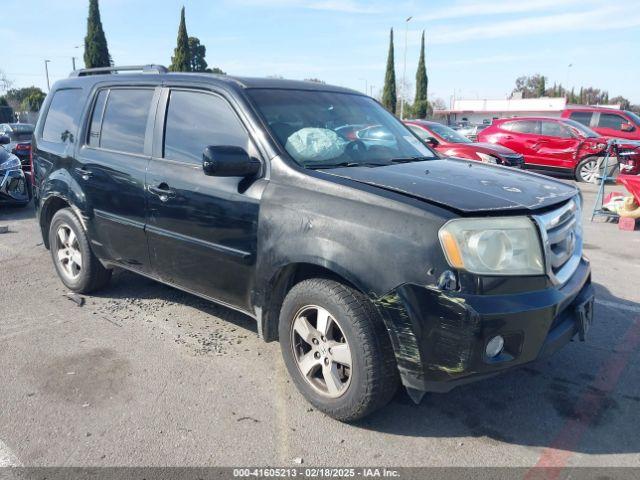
x=561, y=232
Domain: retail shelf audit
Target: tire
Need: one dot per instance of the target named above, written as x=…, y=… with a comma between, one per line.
x=587, y=170
x=355, y=327
x=77, y=266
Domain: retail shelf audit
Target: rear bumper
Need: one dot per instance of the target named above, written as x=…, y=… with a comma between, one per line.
x=440, y=337
x=14, y=188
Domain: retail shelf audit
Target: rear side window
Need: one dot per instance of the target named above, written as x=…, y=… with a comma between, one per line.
x=554, y=129
x=582, y=117
x=611, y=120
x=521, y=126
x=124, y=121
x=62, y=116
x=196, y=120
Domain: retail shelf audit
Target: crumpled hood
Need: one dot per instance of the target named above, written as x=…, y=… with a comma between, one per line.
x=492, y=147
x=466, y=186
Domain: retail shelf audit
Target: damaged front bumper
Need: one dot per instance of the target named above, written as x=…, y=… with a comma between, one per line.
x=440, y=337
x=14, y=189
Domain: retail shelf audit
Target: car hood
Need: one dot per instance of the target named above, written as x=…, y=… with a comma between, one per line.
x=466, y=186
x=491, y=147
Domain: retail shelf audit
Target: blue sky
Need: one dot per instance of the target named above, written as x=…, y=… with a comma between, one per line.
x=475, y=49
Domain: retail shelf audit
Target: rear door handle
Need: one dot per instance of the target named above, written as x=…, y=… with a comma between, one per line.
x=162, y=191
x=84, y=173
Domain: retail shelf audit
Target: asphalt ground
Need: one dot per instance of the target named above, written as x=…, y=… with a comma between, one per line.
x=145, y=375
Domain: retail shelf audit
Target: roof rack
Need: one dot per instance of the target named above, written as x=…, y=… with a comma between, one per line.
x=129, y=68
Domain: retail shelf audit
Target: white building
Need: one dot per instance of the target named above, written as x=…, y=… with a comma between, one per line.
x=484, y=111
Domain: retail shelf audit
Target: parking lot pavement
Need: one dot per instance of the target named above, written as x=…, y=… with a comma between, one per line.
x=143, y=374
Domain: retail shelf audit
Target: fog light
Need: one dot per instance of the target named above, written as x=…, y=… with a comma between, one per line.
x=495, y=346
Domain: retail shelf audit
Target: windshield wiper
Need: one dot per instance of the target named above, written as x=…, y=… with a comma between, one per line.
x=345, y=164
x=410, y=159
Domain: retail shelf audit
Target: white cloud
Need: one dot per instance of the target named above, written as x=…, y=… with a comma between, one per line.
x=606, y=18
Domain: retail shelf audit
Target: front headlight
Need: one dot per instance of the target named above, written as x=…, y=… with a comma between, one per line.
x=493, y=246
x=486, y=158
x=10, y=164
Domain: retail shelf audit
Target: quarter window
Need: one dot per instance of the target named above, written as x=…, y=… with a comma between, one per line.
x=554, y=129
x=62, y=116
x=610, y=120
x=96, y=119
x=196, y=120
x=125, y=120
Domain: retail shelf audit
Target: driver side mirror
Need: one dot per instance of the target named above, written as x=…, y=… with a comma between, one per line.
x=626, y=127
x=4, y=140
x=432, y=141
x=228, y=161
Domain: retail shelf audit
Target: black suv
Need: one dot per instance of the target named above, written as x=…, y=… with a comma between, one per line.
x=372, y=260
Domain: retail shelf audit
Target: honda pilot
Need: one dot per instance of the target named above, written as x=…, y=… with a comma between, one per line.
x=373, y=261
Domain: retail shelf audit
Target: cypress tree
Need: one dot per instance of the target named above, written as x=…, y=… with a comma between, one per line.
x=542, y=87
x=389, y=98
x=422, y=83
x=181, y=60
x=96, y=52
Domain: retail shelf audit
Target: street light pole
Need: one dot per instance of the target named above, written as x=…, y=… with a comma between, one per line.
x=46, y=71
x=73, y=62
x=404, y=72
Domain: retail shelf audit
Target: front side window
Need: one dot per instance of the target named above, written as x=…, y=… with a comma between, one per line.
x=196, y=120
x=449, y=134
x=125, y=120
x=62, y=117
x=582, y=117
x=321, y=129
x=521, y=126
x=554, y=129
x=611, y=120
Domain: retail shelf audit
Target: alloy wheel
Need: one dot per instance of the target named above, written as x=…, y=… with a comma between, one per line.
x=321, y=351
x=68, y=252
x=589, y=171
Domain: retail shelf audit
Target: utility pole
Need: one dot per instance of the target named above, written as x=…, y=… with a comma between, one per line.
x=46, y=71
x=404, y=73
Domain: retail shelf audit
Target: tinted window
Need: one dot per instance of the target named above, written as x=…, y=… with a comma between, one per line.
x=196, y=120
x=582, y=117
x=554, y=129
x=521, y=126
x=609, y=120
x=125, y=120
x=60, y=124
x=96, y=119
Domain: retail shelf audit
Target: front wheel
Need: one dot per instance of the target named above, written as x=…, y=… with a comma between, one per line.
x=336, y=349
x=588, y=170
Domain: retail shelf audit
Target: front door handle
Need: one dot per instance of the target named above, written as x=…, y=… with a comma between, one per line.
x=84, y=173
x=162, y=191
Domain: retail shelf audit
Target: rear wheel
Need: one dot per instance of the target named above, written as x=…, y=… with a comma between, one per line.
x=336, y=349
x=77, y=266
x=587, y=170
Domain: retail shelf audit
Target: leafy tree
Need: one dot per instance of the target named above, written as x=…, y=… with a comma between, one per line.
x=623, y=102
x=420, y=103
x=5, y=83
x=33, y=101
x=389, y=98
x=96, y=52
x=181, y=60
x=542, y=87
x=16, y=98
x=3, y=101
x=529, y=85
x=197, y=52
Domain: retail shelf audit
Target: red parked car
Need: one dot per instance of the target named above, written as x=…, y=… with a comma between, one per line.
x=608, y=122
x=556, y=144
x=452, y=144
